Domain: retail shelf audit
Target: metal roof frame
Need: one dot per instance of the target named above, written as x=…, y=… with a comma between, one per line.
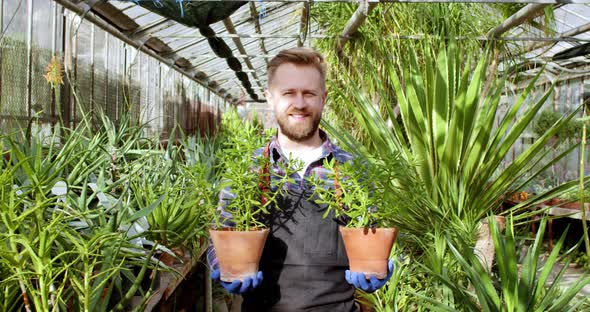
x=255, y=38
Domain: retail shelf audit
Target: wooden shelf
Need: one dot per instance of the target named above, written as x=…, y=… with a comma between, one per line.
x=557, y=210
x=169, y=281
x=572, y=213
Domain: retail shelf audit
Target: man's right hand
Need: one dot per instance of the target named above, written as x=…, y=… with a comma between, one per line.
x=237, y=286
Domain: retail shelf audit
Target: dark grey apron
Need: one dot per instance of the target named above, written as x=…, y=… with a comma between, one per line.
x=303, y=261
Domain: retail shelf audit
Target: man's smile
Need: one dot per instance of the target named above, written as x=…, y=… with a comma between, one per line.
x=298, y=117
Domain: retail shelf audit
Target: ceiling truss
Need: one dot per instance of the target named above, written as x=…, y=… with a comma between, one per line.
x=258, y=30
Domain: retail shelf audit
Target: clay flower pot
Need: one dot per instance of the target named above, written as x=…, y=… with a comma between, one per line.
x=554, y=201
x=572, y=205
x=368, y=249
x=238, y=252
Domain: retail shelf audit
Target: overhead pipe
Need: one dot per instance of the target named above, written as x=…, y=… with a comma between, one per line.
x=304, y=24
x=516, y=19
x=570, y=33
x=353, y=24
x=254, y=15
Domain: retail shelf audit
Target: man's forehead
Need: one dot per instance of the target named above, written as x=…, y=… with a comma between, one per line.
x=291, y=76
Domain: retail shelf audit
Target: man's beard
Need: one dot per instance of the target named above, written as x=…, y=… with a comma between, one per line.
x=300, y=131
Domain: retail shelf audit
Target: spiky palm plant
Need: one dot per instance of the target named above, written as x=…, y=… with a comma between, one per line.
x=457, y=140
x=69, y=226
x=514, y=287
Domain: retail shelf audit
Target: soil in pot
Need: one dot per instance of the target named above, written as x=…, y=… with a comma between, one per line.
x=238, y=252
x=368, y=249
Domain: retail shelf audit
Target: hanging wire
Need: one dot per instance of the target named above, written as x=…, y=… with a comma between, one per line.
x=262, y=12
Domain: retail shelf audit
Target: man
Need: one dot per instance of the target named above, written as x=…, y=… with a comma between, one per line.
x=304, y=263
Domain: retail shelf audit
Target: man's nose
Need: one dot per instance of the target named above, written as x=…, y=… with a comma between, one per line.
x=299, y=101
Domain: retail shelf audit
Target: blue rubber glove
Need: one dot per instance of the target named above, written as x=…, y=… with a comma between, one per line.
x=237, y=286
x=358, y=280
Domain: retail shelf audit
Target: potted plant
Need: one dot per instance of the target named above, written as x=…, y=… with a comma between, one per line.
x=571, y=131
x=246, y=191
x=545, y=121
x=355, y=200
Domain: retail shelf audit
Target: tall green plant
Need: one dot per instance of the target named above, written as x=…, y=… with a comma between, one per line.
x=183, y=200
x=459, y=141
x=514, y=288
x=68, y=221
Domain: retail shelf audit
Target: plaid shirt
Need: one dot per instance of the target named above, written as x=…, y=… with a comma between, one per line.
x=329, y=150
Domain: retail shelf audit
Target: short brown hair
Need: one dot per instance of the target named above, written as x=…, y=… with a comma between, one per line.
x=297, y=56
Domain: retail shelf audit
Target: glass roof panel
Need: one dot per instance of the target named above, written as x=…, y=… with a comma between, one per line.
x=280, y=25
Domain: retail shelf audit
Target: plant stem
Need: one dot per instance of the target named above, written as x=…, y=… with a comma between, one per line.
x=25, y=297
x=121, y=305
x=87, y=291
x=581, y=190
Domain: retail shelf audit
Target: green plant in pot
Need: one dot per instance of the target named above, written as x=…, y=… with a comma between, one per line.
x=571, y=131
x=355, y=200
x=239, y=233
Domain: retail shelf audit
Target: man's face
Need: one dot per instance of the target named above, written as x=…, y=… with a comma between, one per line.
x=297, y=97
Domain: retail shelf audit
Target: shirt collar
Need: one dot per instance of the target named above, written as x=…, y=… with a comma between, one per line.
x=277, y=153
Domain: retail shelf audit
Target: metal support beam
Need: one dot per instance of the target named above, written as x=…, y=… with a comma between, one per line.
x=524, y=14
x=190, y=33
x=203, y=64
x=576, y=31
x=229, y=25
x=136, y=43
x=185, y=46
x=304, y=24
x=355, y=21
x=29, y=58
x=210, y=55
x=150, y=29
x=1, y=17
x=244, y=36
x=389, y=36
x=254, y=14
x=570, y=33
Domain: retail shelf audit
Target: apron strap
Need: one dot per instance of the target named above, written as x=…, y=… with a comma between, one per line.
x=337, y=185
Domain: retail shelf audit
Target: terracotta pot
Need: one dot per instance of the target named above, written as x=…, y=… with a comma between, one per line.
x=238, y=252
x=572, y=205
x=555, y=201
x=368, y=249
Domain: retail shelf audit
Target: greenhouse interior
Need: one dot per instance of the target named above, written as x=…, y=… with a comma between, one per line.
x=411, y=155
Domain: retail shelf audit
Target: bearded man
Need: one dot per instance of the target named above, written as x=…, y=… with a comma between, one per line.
x=304, y=263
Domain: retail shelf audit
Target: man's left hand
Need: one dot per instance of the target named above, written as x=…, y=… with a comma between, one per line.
x=358, y=280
